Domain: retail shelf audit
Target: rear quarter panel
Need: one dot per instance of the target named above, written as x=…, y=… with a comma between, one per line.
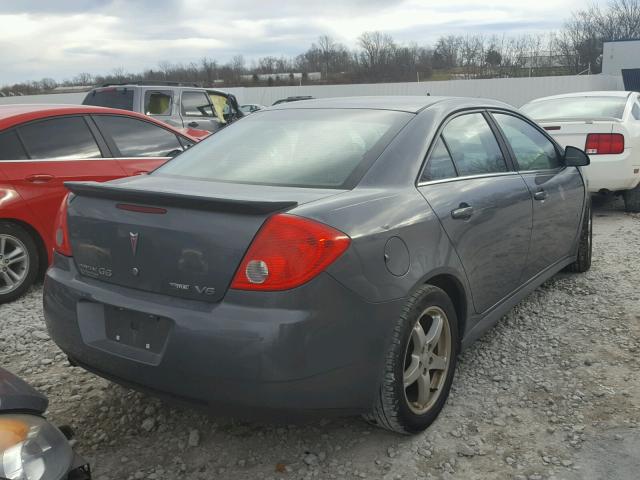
x=372, y=217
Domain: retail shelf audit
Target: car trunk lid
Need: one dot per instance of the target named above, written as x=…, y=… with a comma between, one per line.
x=574, y=132
x=147, y=233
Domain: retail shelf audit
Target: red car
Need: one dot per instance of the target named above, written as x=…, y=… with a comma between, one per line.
x=43, y=146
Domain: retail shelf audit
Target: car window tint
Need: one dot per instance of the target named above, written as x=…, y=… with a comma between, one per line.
x=306, y=148
x=533, y=151
x=439, y=165
x=113, y=97
x=137, y=138
x=196, y=104
x=67, y=137
x=473, y=146
x=157, y=103
x=10, y=147
x=635, y=111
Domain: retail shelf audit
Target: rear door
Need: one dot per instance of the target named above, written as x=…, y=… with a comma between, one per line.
x=198, y=111
x=58, y=149
x=483, y=205
x=138, y=145
x=557, y=191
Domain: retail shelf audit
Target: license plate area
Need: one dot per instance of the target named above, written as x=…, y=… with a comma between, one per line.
x=136, y=329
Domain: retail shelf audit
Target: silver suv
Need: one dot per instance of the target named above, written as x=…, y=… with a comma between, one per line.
x=178, y=104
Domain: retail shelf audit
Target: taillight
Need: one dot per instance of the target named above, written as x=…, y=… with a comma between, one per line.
x=604, y=143
x=287, y=252
x=61, y=243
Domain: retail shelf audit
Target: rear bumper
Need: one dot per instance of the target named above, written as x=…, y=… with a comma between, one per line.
x=318, y=347
x=613, y=172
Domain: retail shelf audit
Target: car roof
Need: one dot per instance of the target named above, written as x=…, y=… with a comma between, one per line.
x=11, y=115
x=158, y=87
x=603, y=93
x=411, y=104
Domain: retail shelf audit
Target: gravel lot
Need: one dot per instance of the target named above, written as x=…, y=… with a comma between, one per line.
x=552, y=392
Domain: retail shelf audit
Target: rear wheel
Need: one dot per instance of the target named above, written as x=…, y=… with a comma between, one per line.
x=632, y=199
x=419, y=365
x=19, y=261
x=585, y=247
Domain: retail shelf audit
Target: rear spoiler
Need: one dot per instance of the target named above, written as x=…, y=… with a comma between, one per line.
x=578, y=120
x=180, y=200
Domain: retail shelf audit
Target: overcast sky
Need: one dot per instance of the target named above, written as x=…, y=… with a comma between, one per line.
x=60, y=38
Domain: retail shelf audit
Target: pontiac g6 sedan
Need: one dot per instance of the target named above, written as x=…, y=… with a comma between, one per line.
x=336, y=259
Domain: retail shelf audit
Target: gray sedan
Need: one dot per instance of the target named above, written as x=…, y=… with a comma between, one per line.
x=329, y=255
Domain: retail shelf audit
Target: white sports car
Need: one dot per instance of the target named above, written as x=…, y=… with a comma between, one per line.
x=607, y=126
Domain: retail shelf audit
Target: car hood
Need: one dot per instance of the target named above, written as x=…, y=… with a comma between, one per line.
x=18, y=395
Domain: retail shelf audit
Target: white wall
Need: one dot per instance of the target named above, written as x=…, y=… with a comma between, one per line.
x=516, y=91
x=619, y=55
x=72, y=98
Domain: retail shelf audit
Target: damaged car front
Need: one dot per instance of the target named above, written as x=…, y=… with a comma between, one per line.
x=31, y=448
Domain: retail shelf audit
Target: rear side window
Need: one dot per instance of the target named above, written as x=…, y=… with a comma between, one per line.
x=112, y=97
x=635, y=111
x=576, y=108
x=64, y=138
x=157, y=103
x=473, y=146
x=10, y=147
x=196, y=104
x=532, y=149
x=440, y=165
x=137, y=138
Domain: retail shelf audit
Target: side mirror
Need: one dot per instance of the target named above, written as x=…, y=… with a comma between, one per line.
x=174, y=153
x=574, y=157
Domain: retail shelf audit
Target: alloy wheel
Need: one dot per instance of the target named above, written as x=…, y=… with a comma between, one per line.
x=14, y=263
x=427, y=360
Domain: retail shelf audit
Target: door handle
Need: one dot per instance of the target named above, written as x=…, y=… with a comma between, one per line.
x=193, y=124
x=463, y=212
x=39, y=178
x=540, y=195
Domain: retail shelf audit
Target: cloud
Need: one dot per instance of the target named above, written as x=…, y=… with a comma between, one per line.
x=62, y=38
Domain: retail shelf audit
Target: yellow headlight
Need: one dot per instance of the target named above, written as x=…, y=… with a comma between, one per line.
x=12, y=432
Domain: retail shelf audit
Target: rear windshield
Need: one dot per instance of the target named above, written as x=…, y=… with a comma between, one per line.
x=111, y=97
x=327, y=148
x=578, y=108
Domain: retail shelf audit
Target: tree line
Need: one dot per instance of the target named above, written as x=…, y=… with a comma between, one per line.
x=574, y=49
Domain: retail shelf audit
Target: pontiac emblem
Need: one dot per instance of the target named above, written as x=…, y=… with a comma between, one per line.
x=133, y=237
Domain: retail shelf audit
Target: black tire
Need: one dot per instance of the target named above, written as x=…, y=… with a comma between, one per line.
x=17, y=235
x=392, y=409
x=632, y=200
x=585, y=246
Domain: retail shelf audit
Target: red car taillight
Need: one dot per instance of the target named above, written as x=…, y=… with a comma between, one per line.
x=61, y=243
x=287, y=252
x=604, y=143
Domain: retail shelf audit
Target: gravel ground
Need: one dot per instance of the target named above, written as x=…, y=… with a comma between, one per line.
x=552, y=392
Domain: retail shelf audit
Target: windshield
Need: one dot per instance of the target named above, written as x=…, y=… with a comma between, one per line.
x=326, y=148
x=111, y=97
x=578, y=108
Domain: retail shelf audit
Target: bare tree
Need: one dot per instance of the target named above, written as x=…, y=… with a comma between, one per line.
x=377, y=47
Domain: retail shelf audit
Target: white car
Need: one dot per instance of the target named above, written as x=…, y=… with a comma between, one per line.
x=607, y=126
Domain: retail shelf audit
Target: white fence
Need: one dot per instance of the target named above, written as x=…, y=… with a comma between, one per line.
x=516, y=91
